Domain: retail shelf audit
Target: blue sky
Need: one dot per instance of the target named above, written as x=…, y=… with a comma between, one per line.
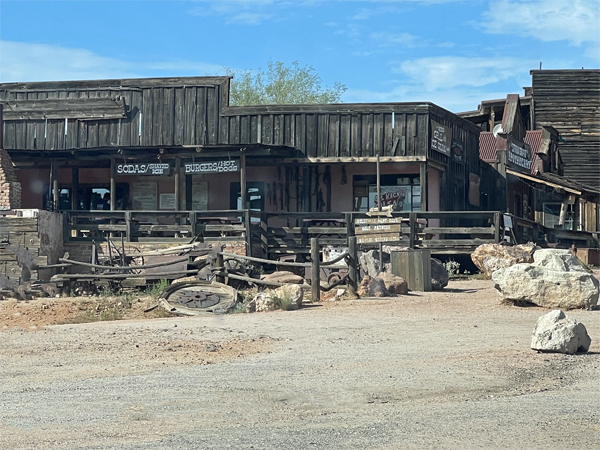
x=451, y=52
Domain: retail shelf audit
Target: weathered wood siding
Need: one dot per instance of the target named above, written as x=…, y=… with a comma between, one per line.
x=341, y=130
x=454, y=182
x=159, y=112
x=569, y=100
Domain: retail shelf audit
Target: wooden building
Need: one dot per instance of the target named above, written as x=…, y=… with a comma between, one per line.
x=546, y=177
x=175, y=144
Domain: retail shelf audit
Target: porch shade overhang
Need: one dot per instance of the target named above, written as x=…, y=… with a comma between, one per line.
x=578, y=189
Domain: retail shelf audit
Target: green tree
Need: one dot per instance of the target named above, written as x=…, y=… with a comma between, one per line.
x=280, y=84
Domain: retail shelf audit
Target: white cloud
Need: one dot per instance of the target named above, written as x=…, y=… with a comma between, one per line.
x=393, y=39
x=22, y=61
x=575, y=21
x=443, y=72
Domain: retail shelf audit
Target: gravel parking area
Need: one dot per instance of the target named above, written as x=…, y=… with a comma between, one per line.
x=449, y=369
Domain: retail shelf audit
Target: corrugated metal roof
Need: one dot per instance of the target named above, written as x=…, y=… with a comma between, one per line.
x=488, y=144
x=534, y=139
x=487, y=147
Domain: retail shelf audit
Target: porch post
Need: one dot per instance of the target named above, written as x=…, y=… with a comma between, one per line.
x=74, y=187
x=243, y=190
x=54, y=177
x=177, y=180
x=113, y=185
x=423, y=185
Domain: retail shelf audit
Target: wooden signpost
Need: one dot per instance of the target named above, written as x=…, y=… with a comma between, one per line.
x=378, y=229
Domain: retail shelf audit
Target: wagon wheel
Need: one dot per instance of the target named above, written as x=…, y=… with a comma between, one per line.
x=333, y=278
x=236, y=267
x=135, y=259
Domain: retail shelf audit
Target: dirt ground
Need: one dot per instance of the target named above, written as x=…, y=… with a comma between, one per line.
x=448, y=369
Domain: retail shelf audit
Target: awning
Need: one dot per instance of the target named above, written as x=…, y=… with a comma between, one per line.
x=547, y=183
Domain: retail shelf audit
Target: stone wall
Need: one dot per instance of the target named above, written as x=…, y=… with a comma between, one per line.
x=10, y=188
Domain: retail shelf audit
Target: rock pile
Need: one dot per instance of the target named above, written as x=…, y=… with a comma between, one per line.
x=284, y=297
x=555, y=279
x=10, y=188
x=555, y=332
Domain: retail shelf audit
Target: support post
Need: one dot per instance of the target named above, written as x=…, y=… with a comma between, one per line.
x=380, y=246
x=177, y=181
x=248, y=224
x=243, y=189
x=412, y=217
x=423, y=185
x=315, y=278
x=128, y=233
x=220, y=268
x=497, y=227
x=352, y=266
x=54, y=185
x=113, y=185
x=74, y=187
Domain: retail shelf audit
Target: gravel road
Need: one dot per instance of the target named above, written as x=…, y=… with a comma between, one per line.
x=449, y=369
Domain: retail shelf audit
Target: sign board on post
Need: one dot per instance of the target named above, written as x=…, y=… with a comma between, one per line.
x=441, y=138
x=143, y=169
x=232, y=165
x=378, y=229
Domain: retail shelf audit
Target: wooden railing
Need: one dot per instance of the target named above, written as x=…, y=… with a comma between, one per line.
x=136, y=226
x=269, y=234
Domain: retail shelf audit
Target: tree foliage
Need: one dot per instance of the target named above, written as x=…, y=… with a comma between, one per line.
x=280, y=84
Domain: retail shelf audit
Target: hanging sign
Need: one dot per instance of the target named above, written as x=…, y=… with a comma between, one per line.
x=143, y=169
x=441, y=138
x=518, y=155
x=232, y=165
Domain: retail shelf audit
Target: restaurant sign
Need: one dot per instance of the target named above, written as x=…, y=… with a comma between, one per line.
x=518, y=155
x=143, y=169
x=441, y=138
x=232, y=165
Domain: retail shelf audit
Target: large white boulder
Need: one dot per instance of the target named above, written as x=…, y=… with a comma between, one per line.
x=555, y=332
x=555, y=280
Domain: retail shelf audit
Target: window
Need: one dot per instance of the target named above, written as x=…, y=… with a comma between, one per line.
x=401, y=191
x=255, y=196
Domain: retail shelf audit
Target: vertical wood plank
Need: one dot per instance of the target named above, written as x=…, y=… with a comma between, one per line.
x=311, y=135
x=157, y=116
x=168, y=113
x=333, y=141
x=345, y=131
x=212, y=104
x=134, y=116
x=355, y=136
x=411, y=131
x=178, y=116
x=147, y=117
x=189, y=130
x=367, y=135
x=378, y=135
x=245, y=134
x=422, y=134
x=388, y=135
x=201, y=118
x=104, y=126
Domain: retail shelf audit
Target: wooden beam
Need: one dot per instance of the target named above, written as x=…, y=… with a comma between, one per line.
x=243, y=189
x=65, y=108
x=113, y=185
x=177, y=181
x=355, y=159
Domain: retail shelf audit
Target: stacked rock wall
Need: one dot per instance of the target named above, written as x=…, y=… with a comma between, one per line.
x=10, y=188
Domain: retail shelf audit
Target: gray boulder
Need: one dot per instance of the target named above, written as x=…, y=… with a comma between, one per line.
x=439, y=275
x=555, y=280
x=372, y=287
x=369, y=262
x=555, y=332
x=393, y=283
